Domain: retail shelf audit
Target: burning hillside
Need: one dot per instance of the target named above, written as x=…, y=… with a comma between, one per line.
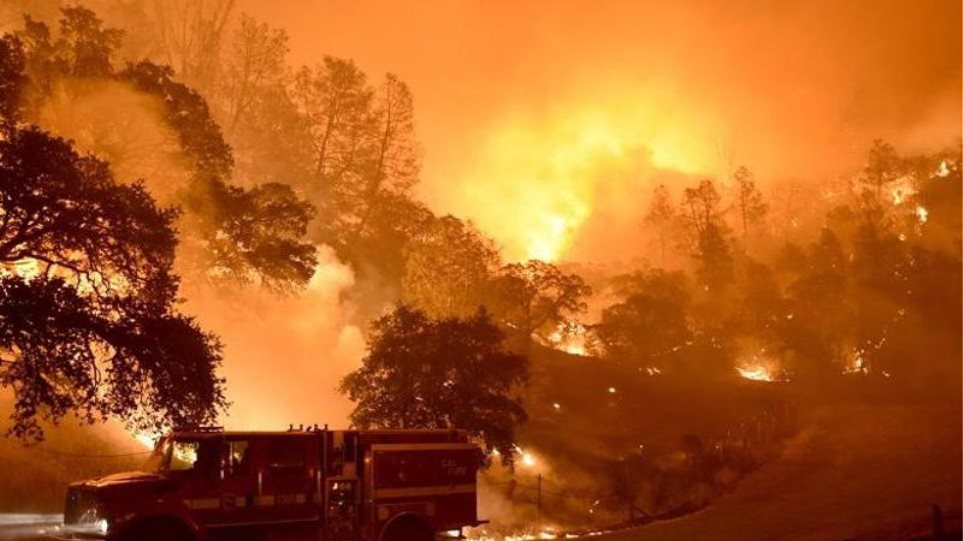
x=627, y=253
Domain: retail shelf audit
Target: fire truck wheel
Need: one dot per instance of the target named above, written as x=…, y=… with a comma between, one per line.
x=158, y=530
x=407, y=528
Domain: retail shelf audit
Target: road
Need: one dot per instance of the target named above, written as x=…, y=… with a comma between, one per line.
x=21, y=526
x=857, y=472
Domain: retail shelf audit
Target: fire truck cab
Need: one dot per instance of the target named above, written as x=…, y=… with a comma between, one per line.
x=317, y=484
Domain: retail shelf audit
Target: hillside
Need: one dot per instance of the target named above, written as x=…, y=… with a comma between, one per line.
x=857, y=471
x=602, y=435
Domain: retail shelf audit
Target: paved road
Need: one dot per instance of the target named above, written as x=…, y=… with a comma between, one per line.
x=21, y=526
x=858, y=472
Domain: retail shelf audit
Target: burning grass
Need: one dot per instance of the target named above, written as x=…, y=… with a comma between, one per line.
x=605, y=438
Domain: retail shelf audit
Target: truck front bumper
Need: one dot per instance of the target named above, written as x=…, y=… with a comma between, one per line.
x=73, y=533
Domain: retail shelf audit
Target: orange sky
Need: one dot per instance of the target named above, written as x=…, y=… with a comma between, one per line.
x=538, y=117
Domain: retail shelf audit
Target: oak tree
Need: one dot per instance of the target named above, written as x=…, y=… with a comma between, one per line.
x=535, y=296
x=440, y=373
x=88, y=319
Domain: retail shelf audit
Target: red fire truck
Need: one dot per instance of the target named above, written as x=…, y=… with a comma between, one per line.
x=317, y=484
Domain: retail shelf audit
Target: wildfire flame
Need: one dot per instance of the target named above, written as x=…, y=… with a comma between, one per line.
x=944, y=170
x=538, y=179
x=569, y=337
x=526, y=458
x=922, y=214
x=856, y=365
x=547, y=242
x=902, y=189
x=758, y=367
x=756, y=373
x=544, y=534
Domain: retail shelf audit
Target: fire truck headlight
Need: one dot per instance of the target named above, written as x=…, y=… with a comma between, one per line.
x=102, y=526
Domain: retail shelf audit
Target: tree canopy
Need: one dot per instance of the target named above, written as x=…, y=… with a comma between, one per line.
x=535, y=296
x=88, y=321
x=447, y=267
x=226, y=225
x=440, y=373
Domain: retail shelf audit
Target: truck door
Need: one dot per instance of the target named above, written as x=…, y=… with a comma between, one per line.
x=196, y=465
x=217, y=479
x=238, y=487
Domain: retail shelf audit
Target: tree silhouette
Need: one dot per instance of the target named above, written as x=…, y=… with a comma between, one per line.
x=661, y=215
x=224, y=225
x=254, y=104
x=535, y=296
x=366, y=162
x=393, y=166
x=335, y=100
x=190, y=36
x=707, y=237
x=749, y=205
x=247, y=234
x=649, y=327
x=447, y=267
x=255, y=64
x=440, y=373
x=13, y=80
x=87, y=299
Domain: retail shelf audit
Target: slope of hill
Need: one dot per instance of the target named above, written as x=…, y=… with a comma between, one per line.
x=604, y=437
x=858, y=471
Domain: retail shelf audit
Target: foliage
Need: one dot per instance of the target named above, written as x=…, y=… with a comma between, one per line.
x=749, y=204
x=706, y=235
x=649, y=327
x=877, y=286
x=440, y=373
x=535, y=296
x=82, y=49
x=190, y=36
x=345, y=145
x=366, y=160
x=87, y=317
x=661, y=216
x=225, y=225
x=12, y=79
x=260, y=117
x=255, y=63
x=447, y=267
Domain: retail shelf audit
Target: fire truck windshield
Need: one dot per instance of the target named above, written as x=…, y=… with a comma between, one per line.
x=184, y=455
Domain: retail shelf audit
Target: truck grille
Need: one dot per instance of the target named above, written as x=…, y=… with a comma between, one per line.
x=80, y=507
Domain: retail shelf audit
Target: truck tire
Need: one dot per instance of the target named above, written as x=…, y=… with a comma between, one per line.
x=407, y=528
